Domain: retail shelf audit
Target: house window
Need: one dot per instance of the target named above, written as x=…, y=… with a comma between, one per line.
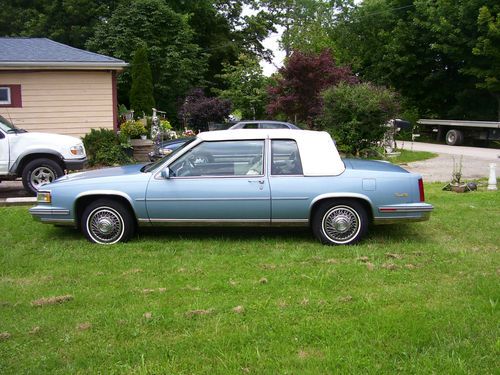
x=5, y=97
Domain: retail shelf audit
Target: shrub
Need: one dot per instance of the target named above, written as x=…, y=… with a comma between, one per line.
x=103, y=148
x=133, y=129
x=355, y=115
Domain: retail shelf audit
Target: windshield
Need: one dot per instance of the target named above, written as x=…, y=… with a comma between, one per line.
x=6, y=125
x=152, y=166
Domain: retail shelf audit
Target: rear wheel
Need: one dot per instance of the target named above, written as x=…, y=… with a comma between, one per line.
x=454, y=137
x=39, y=172
x=106, y=222
x=340, y=222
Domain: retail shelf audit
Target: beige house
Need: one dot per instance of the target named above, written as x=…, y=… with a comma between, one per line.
x=51, y=87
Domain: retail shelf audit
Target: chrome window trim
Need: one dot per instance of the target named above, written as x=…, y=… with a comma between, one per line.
x=157, y=173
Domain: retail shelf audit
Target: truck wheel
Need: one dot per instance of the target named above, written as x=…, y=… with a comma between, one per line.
x=454, y=137
x=39, y=172
x=106, y=222
x=340, y=222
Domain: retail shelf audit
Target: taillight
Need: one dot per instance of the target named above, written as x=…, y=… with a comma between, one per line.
x=421, y=190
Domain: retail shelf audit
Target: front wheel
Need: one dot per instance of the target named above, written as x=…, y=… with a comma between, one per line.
x=39, y=172
x=106, y=222
x=340, y=222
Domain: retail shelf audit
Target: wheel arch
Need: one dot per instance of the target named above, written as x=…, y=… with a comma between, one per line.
x=85, y=198
x=339, y=197
x=29, y=156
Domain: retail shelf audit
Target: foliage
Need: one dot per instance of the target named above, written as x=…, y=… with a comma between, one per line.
x=165, y=125
x=410, y=299
x=177, y=63
x=297, y=91
x=198, y=110
x=488, y=47
x=356, y=115
x=246, y=86
x=133, y=129
x=103, y=148
x=421, y=48
x=141, y=93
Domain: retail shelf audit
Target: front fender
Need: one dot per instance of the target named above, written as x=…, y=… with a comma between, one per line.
x=33, y=151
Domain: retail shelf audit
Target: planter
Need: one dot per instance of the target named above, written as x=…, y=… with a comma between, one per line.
x=144, y=137
x=142, y=148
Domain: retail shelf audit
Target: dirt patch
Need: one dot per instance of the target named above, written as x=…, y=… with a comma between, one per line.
x=345, y=299
x=4, y=336
x=83, y=326
x=132, y=271
x=192, y=288
x=268, y=266
x=393, y=255
x=51, y=300
x=282, y=304
x=35, y=330
x=363, y=259
x=314, y=353
x=305, y=301
x=390, y=266
x=410, y=266
x=239, y=309
x=233, y=283
x=191, y=313
x=263, y=280
x=331, y=261
x=147, y=315
x=370, y=266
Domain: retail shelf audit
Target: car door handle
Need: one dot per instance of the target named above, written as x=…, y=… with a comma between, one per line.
x=256, y=181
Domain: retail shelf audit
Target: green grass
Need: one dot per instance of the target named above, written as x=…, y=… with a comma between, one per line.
x=322, y=310
x=408, y=156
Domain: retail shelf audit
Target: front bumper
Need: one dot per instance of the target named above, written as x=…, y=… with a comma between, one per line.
x=52, y=215
x=75, y=164
x=401, y=213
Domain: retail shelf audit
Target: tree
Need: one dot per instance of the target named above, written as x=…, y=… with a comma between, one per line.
x=356, y=115
x=177, y=64
x=421, y=48
x=198, y=111
x=141, y=93
x=297, y=91
x=246, y=87
x=488, y=47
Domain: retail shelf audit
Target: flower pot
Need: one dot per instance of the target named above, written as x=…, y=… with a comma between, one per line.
x=144, y=137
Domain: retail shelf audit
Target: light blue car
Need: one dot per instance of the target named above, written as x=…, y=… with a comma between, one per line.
x=239, y=177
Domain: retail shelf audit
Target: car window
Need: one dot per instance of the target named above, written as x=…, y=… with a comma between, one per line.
x=270, y=125
x=251, y=125
x=285, y=158
x=222, y=158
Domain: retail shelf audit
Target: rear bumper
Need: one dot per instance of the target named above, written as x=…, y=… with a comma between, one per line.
x=75, y=164
x=400, y=213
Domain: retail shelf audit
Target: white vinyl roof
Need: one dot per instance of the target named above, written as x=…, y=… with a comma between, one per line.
x=318, y=153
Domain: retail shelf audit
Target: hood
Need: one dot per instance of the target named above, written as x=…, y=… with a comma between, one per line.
x=45, y=141
x=104, y=173
x=373, y=165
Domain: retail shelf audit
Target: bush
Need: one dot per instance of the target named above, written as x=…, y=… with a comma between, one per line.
x=103, y=148
x=133, y=129
x=355, y=115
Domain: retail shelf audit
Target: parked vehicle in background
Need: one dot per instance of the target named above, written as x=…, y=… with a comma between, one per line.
x=38, y=158
x=239, y=177
x=263, y=124
x=167, y=147
x=455, y=132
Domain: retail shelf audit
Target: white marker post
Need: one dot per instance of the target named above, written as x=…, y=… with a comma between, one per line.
x=492, y=181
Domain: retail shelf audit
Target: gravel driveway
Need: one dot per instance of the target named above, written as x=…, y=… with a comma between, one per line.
x=475, y=162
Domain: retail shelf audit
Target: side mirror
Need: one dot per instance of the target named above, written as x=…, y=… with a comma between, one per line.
x=166, y=173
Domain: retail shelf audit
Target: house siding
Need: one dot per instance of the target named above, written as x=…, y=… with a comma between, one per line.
x=63, y=102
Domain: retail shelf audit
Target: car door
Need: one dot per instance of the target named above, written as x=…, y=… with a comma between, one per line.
x=221, y=181
x=4, y=153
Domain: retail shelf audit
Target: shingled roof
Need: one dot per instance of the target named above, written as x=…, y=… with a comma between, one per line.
x=25, y=53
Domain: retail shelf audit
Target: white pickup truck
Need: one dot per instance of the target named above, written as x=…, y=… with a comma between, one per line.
x=38, y=158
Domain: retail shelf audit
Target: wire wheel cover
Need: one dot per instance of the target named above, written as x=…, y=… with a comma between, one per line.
x=41, y=176
x=341, y=224
x=105, y=225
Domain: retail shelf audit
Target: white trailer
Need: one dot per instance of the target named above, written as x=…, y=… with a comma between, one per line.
x=454, y=132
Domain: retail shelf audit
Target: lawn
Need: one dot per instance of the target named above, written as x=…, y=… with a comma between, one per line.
x=416, y=298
